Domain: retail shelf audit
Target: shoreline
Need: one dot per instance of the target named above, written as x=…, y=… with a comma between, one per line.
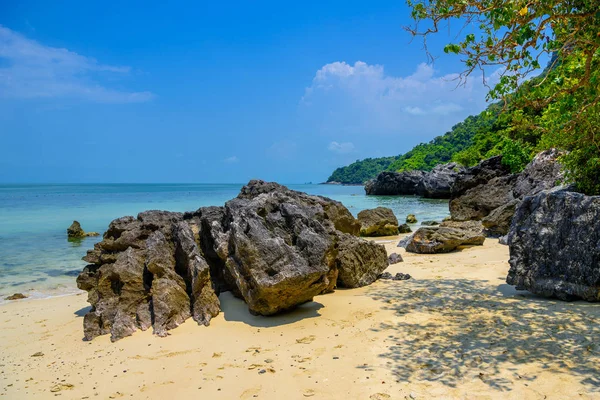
x=455, y=330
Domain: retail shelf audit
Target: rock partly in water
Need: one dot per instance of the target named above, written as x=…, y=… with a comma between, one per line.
x=379, y=221
x=439, y=181
x=554, y=243
x=404, y=228
x=411, y=219
x=395, y=258
x=441, y=240
x=396, y=183
x=16, y=296
x=76, y=232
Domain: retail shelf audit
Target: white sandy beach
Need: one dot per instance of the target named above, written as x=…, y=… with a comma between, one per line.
x=455, y=330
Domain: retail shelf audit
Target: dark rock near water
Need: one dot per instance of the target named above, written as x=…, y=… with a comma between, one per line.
x=439, y=181
x=379, y=221
x=441, y=240
x=404, y=228
x=411, y=219
x=76, y=232
x=436, y=183
x=273, y=247
x=554, y=243
x=479, y=201
x=396, y=183
x=480, y=174
x=16, y=296
x=395, y=258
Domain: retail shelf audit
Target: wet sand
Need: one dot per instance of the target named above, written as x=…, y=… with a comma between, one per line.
x=455, y=330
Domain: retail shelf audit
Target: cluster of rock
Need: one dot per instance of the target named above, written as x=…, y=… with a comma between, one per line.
x=554, y=243
x=273, y=247
x=75, y=231
x=490, y=193
x=436, y=183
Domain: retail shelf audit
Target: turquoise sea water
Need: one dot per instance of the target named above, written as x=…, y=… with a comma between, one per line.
x=36, y=258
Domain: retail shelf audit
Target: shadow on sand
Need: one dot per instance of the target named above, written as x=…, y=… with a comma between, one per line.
x=82, y=311
x=457, y=329
x=235, y=309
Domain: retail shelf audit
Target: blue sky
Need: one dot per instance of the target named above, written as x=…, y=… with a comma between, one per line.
x=215, y=92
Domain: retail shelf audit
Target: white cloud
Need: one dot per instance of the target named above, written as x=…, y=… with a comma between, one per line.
x=29, y=69
x=362, y=98
x=231, y=160
x=341, y=148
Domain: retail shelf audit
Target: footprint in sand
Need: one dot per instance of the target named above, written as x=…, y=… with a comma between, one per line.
x=308, y=392
x=306, y=339
x=250, y=393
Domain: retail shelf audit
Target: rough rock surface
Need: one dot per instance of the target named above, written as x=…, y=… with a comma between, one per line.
x=436, y=183
x=379, y=221
x=411, y=219
x=494, y=201
x=430, y=223
x=404, y=228
x=76, y=232
x=479, y=201
x=441, y=240
x=145, y=272
x=395, y=258
x=16, y=296
x=474, y=226
x=479, y=174
x=396, y=183
x=554, y=243
x=398, y=277
x=273, y=247
x=439, y=181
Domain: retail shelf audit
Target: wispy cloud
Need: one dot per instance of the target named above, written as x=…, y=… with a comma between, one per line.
x=29, y=69
x=360, y=97
x=231, y=160
x=341, y=148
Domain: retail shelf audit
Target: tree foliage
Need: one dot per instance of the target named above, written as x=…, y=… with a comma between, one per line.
x=361, y=171
x=560, y=108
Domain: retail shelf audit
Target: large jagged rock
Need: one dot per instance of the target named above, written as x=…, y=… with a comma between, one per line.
x=494, y=202
x=396, y=183
x=283, y=248
x=439, y=181
x=480, y=174
x=479, y=201
x=359, y=262
x=436, y=183
x=271, y=246
x=431, y=240
x=379, y=221
x=147, y=271
x=554, y=243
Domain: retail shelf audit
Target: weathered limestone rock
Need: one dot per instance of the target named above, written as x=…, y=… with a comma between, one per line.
x=497, y=222
x=379, y=221
x=404, y=228
x=395, y=258
x=441, y=240
x=439, y=181
x=480, y=174
x=76, y=232
x=479, y=201
x=359, y=262
x=554, y=243
x=430, y=223
x=411, y=219
x=396, y=183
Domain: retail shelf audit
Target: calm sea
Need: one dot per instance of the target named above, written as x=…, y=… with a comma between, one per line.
x=36, y=258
